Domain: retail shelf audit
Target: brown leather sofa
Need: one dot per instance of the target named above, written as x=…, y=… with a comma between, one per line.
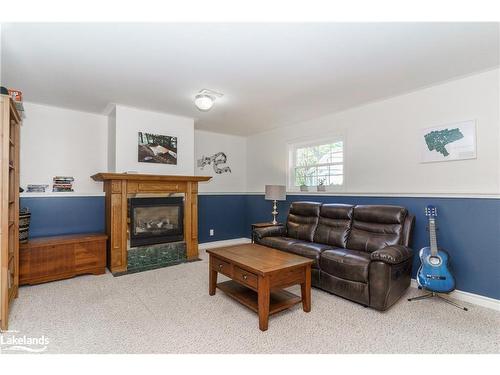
x=360, y=252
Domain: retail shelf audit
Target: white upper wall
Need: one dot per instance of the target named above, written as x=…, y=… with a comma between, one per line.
x=381, y=142
x=131, y=121
x=235, y=147
x=111, y=140
x=56, y=141
x=381, y=138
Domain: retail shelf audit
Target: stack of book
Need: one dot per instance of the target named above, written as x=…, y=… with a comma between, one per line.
x=63, y=184
x=35, y=188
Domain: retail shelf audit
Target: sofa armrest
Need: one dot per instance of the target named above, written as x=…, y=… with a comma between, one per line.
x=392, y=254
x=274, y=231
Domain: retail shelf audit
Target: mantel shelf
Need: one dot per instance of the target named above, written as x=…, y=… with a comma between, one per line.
x=148, y=177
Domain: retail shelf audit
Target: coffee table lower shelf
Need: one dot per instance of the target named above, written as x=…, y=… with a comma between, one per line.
x=280, y=300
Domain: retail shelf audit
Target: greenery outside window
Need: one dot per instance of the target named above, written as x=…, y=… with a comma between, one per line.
x=316, y=163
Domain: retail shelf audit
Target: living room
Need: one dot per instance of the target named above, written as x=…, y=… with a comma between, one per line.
x=250, y=188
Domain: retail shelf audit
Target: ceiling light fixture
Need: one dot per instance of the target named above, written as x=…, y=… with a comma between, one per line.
x=205, y=99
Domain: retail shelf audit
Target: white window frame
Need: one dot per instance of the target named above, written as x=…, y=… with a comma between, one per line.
x=292, y=146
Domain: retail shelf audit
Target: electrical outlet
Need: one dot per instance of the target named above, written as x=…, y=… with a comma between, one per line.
x=211, y=232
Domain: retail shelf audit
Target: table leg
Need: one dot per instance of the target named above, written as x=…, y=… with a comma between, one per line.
x=305, y=289
x=264, y=296
x=212, y=279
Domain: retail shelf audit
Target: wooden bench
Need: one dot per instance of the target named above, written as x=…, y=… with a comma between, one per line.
x=60, y=257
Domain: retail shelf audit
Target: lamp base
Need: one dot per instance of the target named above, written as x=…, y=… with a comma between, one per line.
x=274, y=213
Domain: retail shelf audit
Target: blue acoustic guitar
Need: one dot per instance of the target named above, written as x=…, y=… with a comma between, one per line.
x=434, y=273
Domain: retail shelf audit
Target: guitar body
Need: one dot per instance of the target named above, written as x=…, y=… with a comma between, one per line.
x=434, y=273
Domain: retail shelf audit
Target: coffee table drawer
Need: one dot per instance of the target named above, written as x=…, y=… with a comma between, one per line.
x=222, y=266
x=245, y=277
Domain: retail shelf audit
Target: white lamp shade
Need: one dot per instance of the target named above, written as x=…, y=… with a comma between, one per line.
x=203, y=102
x=275, y=192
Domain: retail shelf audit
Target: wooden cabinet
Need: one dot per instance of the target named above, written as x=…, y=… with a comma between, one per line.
x=61, y=257
x=10, y=122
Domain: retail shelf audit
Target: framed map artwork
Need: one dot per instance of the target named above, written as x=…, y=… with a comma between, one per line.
x=449, y=142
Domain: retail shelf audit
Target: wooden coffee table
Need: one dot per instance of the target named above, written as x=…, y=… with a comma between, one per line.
x=259, y=274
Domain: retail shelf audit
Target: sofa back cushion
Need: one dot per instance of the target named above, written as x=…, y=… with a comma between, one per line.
x=375, y=227
x=334, y=224
x=302, y=220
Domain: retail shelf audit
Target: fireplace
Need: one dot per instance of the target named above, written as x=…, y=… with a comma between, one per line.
x=156, y=220
x=120, y=187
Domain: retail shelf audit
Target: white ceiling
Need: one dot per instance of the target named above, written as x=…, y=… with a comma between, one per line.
x=271, y=74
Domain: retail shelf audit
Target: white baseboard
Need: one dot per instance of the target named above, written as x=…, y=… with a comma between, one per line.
x=475, y=299
x=214, y=244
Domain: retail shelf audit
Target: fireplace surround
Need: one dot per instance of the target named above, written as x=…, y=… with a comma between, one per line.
x=118, y=187
x=156, y=220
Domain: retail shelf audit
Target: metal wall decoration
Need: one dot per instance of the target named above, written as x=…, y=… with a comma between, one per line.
x=215, y=160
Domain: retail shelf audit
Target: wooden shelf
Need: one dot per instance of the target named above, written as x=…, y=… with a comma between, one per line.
x=13, y=293
x=279, y=300
x=10, y=122
x=14, y=114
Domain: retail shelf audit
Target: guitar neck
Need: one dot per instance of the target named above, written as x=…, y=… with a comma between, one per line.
x=432, y=235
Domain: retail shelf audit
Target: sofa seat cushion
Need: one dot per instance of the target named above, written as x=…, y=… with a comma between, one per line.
x=280, y=243
x=347, y=264
x=309, y=250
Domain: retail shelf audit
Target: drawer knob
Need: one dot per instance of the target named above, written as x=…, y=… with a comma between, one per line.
x=220, y=266
x=245, y=277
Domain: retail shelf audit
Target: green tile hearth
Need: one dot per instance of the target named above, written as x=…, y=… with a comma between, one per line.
x=143, y=258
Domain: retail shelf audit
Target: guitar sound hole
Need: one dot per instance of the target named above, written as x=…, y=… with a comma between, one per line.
x=435, y=261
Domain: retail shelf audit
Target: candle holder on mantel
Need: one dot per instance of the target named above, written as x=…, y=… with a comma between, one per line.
x=275, y=193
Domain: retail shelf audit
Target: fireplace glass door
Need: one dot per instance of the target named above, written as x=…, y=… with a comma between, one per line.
x=156, y=220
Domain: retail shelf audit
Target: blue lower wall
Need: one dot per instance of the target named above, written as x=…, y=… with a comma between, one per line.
x=71, y=215
x=52, y=216
x=225, y=214
x=469, y=228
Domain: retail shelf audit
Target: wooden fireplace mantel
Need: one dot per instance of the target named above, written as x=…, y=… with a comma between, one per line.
x=118, y=186
x=147, y=177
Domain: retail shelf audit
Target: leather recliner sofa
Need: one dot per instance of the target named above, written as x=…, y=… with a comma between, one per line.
x=360, y=252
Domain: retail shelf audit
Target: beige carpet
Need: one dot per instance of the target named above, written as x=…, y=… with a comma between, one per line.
x=169, y=311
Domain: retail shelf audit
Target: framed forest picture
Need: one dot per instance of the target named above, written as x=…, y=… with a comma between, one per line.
x=155, y=148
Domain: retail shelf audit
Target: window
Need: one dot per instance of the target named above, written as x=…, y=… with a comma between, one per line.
x=316, y=163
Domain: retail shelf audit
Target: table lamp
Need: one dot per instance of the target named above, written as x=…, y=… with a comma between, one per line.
x=275, y=193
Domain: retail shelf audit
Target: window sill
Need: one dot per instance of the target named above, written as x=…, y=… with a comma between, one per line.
x=330, y=191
